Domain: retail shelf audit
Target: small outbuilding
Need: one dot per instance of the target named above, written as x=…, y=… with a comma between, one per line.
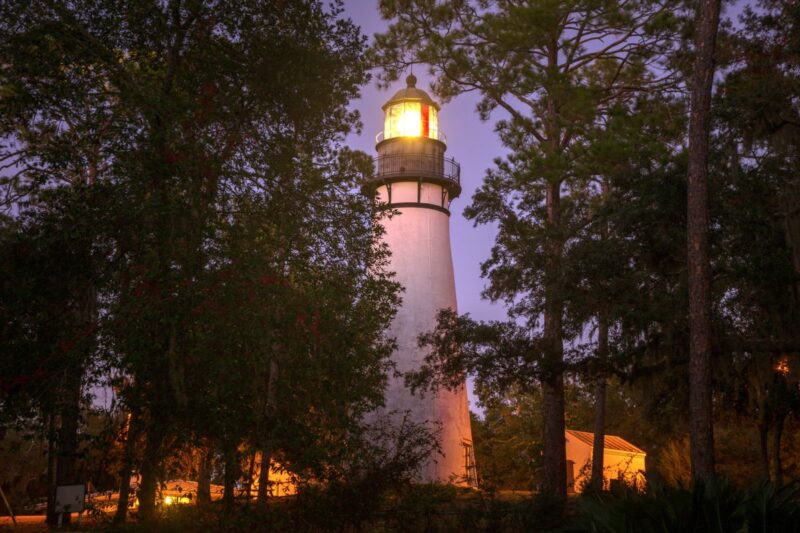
x=622, y=461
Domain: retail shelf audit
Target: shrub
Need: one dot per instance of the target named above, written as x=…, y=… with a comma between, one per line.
x=715, y=507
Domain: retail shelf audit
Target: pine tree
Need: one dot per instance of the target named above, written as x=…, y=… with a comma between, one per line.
x=699, y=277
x=537, y=64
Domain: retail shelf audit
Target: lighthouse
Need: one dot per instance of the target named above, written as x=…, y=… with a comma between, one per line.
x=415, y=179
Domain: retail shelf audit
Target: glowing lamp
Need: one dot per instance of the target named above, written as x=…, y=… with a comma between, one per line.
x=411, y=119
x=175, y=500
x=411, y=113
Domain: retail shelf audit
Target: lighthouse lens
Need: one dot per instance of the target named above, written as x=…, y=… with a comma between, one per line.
x=403, y=120
x=411, y=119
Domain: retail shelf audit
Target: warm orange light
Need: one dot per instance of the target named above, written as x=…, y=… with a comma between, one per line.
x=782, y=366
x=410, y=124
x=411, y=119
x=174, y=500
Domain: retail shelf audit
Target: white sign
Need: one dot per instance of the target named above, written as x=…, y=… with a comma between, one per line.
x=69, y=498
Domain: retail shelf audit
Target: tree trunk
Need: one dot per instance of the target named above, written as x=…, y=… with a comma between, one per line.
x=67, y=454
x=250, y=474
x=150, y=469
x=232, y=473
x=204, y=477
x=699, y=277
x=776, y=450
x=263, y=477
x=75, y=354
x=266, y=451
x=51, y=519
x=763, y=434
x=127, y=469
x=598, y=446
x=554, y=479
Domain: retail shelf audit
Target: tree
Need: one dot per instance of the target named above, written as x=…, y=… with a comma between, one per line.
x=52, y=263
x=757, y=134
x=216, y=130
x=535, y=62
x=52, y=136
x=700, y=333
x=604, y=264
x=293, y=333
x=757, y=116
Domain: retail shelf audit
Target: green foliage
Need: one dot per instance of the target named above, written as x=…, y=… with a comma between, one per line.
x=713, y=507
x=507, y=444
x=48, y=256
x=243, y=295
x=383, y=460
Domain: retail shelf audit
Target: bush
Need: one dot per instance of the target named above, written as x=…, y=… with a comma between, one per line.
x=715, y=507
x=438, y=508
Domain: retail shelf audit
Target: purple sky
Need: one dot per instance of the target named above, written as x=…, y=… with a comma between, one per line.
x=471, y=142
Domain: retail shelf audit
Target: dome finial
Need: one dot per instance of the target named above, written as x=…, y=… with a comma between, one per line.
x=411, y=80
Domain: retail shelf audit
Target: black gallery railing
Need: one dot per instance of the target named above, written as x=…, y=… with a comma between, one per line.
x=417, y=166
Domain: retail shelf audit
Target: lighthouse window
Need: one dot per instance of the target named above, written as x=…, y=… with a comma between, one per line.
x=433, y=123
x=411, y=119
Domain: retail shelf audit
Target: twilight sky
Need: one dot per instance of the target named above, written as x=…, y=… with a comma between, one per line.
x=471, y=142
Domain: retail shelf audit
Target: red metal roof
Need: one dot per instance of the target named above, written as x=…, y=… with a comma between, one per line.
x=611, y=442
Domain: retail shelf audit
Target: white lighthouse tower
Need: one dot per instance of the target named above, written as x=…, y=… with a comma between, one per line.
x=416, y=179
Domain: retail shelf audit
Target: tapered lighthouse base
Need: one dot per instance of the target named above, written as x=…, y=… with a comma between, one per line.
x=419, y=238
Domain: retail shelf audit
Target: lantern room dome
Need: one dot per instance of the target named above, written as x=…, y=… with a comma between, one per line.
x=411, y=94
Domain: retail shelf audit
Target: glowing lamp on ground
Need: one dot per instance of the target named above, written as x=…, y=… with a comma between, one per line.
x=175, y=500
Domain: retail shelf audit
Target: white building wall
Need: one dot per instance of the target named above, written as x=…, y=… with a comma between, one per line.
x=419, y=239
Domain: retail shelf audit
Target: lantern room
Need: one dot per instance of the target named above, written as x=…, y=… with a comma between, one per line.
x=410, y=119
x=411, y=113
x=411, y=166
